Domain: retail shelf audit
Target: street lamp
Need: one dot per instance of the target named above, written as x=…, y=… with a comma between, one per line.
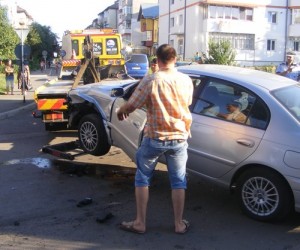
x=22, y=32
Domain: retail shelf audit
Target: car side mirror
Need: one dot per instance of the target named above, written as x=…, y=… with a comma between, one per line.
x=117, y=92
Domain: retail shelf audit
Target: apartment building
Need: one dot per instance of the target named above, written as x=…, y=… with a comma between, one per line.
x=107, y=18
x=128, y=24
x=148, y=18
x=261, y=31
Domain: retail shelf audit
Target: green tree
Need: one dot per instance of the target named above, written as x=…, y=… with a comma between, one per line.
x=41, y=38
x=220, y=53
x=8, y=37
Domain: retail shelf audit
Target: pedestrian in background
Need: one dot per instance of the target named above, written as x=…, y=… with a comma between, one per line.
x=42, y=65
x=289, y=68
x=167, y=95
x=197, y=57
x=9, y=77
x=27, y=76
x=24, y=79
x=154, y=65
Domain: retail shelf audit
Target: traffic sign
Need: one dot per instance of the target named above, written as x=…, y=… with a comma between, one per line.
x=26, y=51
x=63, y=53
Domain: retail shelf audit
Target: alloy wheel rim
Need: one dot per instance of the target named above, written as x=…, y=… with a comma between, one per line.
x=260, y=196
x=89, y=135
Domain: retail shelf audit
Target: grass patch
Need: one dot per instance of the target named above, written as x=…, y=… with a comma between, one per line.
x=2, y=84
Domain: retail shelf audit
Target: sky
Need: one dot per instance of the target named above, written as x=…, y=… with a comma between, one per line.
x=63, y=15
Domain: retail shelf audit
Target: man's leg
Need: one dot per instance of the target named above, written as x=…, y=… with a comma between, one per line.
x=12, y=87
x=142, y=197
x=146, y=159
x=176, y=162
x=178, y=198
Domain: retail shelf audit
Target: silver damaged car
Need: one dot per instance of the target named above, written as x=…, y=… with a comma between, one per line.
x=245, y=132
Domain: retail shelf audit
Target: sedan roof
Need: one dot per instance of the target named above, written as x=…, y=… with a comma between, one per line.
x=263, y=79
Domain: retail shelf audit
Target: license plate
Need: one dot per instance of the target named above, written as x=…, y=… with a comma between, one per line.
x=136, y=67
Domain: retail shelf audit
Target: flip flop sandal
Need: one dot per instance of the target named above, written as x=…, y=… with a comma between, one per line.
x=129, y=228
x=187, y=226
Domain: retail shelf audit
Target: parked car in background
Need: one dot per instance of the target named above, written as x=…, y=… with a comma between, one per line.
x=183, y=63
x=137, y=66
x=245, y=132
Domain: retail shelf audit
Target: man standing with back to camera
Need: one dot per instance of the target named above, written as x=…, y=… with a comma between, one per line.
x=167, y=95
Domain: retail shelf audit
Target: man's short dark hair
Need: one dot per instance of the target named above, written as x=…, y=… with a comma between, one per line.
x=166, y=53
x=154, y=60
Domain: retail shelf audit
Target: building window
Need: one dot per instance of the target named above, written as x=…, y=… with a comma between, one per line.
x=246, y=14
x=180, y=47
x=128, y=25
x=127, y=10
x=237, y=41
x=272, y=17
x=220, y=12
x=270, y=45
x=295, y=16
x=172, y=22
x=296, y=45
x=172, y=43
x=230, y=12
x=181, y=19
x=227, y=11
x=212, y=11
x=249, y=14
x=235, y=13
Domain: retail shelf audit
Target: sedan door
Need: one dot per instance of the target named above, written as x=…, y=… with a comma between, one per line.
x=218, y=144
x=127, y=134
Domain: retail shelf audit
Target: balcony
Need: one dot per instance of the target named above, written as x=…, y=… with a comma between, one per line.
x=125, y=18
x=229, y=26
x=294, y=30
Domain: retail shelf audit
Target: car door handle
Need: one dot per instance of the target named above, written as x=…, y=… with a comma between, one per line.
x=246, y=142
x=136, y=124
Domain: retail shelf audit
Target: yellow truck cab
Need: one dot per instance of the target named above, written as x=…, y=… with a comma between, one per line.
x=107, y=45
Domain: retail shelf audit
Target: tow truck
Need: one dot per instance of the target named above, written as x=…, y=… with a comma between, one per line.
x=98, y=63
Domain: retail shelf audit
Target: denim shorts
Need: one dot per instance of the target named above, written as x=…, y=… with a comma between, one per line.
x=175, y=152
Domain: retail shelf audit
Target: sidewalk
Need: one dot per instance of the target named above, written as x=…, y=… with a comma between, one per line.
x=13, y=104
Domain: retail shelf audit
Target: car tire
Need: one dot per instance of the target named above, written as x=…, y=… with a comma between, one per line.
x=264, y=195
x=92, y=135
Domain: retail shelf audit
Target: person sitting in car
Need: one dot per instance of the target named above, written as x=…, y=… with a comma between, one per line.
x=234, y=112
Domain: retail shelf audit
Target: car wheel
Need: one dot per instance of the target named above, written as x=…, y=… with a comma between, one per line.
x=264, y=195
x=92, y=135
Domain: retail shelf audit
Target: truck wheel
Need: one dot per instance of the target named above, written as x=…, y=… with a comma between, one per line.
x=92, y=135
x=264, y=195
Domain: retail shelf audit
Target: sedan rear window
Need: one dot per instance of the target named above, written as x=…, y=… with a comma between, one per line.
x=289, y=97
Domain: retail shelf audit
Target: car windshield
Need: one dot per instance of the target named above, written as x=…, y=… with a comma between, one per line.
x=290, y=98
x=137, y=59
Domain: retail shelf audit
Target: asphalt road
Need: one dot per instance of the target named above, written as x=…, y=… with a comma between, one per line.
x=39, y=198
